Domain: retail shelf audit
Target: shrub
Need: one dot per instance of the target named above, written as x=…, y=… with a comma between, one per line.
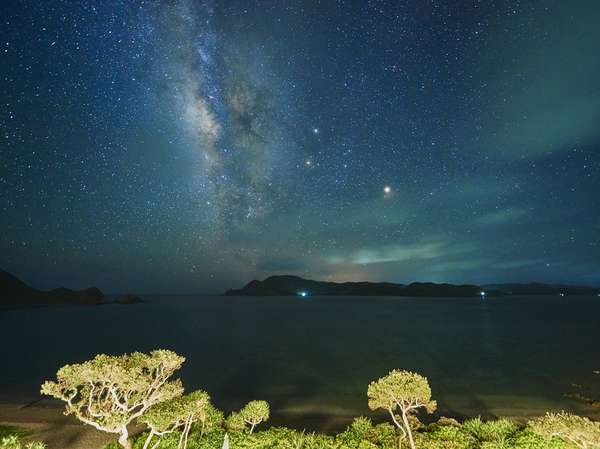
x=235, y=422
x=497, y=432
x=446, y=437
x=529, y=440
x=574, y=429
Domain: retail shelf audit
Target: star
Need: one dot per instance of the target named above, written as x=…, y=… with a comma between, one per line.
x=387, y=190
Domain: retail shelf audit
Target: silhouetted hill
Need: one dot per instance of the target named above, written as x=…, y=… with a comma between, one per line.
x=293, y=286
x=287, y=285
x=15, y=293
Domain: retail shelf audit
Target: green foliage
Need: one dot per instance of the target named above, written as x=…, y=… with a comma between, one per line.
x=446, y=437
x=252, y=414
x=574, y=429
x=362, y=434
x=235, y=422
x=529, y=440
x=398, y=388
x=173, y=413
x=362, y=431
x=498, y=433
x=281, y=438
x=356, y=432
x=165, y=416
x=14, y=442
x=211, y=419
x=255, y=412
x=8, y=431
x=10, y=438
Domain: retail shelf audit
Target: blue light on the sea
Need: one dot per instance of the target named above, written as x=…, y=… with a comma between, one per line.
x=303, y=294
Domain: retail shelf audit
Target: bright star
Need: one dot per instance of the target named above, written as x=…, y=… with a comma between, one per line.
x=387, y=190
x=315, y=130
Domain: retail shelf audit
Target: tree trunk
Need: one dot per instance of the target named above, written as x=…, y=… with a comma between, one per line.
x=400, y=426
x=225, y=442
x=180, y=444
x=147, y=442
x=252, y=427
x=408, y=431
x=186, y=432
x=124, y=438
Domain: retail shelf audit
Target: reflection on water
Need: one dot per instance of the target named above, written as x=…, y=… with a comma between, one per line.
x=314, y=356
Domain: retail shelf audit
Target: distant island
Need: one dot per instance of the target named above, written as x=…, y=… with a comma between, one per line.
x=16, y=293
x=287, y=285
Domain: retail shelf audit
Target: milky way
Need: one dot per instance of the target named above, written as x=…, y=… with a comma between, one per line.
x=188, y=145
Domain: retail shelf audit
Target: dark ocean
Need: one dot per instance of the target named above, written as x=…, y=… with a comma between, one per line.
x=312, y=358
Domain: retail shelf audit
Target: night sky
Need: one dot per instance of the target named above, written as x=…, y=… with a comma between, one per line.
x=190, y=146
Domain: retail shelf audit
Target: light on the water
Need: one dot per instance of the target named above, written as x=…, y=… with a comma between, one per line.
x=303, y=294
x=482, y=294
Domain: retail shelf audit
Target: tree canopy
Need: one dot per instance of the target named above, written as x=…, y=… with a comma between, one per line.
x=109, y=392
x=254, y=413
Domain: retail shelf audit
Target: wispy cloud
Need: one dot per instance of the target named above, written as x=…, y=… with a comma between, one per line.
x=500, y=217
x=400, y=253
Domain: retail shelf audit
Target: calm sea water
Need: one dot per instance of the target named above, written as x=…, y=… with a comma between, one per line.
x=312, y=359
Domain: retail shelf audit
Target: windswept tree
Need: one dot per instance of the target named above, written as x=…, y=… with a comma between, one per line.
x=178, y=413
x=252, y=414
x=109, y=392
x=578, y=430
x=402, y=390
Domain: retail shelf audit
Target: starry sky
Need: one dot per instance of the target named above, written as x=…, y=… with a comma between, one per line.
x=190, y=146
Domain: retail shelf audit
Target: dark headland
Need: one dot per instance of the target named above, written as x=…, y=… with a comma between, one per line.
x=15, y=293
x=287, y=285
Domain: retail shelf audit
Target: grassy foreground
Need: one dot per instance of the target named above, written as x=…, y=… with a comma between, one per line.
x=363, y=434
x=11, y=438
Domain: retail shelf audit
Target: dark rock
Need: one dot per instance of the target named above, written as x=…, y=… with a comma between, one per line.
x=129, y=299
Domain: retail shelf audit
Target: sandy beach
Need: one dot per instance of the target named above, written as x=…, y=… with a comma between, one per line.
x=47, y=423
